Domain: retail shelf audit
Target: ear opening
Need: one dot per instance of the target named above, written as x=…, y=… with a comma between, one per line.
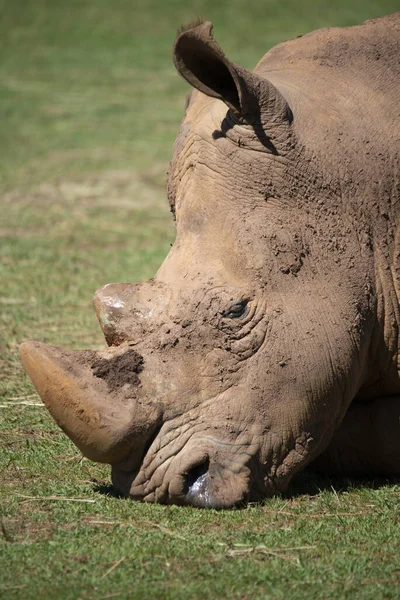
x=201, y=62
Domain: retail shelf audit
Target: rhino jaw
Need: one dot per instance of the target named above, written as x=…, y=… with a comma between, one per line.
x=93, y=397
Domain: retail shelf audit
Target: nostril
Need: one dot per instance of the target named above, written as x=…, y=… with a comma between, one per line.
x=197, y=475
x=197, y=485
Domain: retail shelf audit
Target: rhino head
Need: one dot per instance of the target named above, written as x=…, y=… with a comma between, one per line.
x=230, y=370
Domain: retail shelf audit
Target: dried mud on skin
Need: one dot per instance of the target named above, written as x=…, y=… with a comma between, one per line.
x=119, y=370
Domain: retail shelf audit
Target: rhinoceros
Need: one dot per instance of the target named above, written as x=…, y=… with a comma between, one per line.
x=269, y=337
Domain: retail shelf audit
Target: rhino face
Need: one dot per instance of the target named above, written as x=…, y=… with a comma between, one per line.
x=229, y=371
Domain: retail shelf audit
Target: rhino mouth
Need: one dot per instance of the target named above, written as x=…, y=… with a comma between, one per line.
x=203, y=486
x=191, y=465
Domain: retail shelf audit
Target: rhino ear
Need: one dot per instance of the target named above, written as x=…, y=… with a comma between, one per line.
x=200, y=60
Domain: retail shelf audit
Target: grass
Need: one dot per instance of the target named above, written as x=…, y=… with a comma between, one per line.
x=91, y=104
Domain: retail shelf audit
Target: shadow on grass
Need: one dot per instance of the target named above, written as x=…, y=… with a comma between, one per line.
x=106, y=489
x=306, y=483
x=309, y=483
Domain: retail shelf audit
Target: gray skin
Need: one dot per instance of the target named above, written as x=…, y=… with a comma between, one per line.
x=269, y=336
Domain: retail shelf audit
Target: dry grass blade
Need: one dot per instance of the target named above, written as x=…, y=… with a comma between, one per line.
x=336, y=494
x=242, y=550
x=13, y=301
x=59, y=498
x=13, y=587
x=166, y=530
x=150, y=523
x=22, y=397
x=114, y=566
x=94, y=522
x=260, y=546
x=256, y=550
x=319, y=515
x=22, y=403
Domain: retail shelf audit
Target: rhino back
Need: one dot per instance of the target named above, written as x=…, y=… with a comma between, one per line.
x=343, y=86
x=341, y=72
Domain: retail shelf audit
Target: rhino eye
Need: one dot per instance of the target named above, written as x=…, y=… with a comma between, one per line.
x=236, y=311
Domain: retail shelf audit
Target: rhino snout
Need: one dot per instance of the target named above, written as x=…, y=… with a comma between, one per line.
x=203, y=482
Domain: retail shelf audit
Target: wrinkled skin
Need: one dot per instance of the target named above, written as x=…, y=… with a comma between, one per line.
x=269, y=337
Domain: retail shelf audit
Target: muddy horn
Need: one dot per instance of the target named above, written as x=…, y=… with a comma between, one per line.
x=93, y=397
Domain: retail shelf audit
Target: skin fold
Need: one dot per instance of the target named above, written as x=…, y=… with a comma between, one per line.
x=268, y=339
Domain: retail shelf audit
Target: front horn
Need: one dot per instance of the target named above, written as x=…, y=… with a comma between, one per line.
x=93, y=397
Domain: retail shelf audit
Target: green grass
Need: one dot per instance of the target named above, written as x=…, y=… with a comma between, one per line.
x=90, y=105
